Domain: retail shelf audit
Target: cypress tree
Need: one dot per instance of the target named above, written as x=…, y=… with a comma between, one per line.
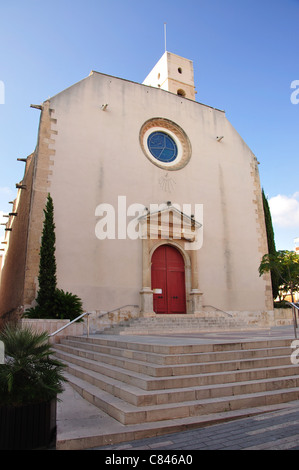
x=52, y=302
x=271, y=244
x=47, y=265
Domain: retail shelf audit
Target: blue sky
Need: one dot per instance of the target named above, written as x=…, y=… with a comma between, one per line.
x=245, y=57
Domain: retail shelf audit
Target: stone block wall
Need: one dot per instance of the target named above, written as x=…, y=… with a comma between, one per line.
x=50, y=326
x=14, y=258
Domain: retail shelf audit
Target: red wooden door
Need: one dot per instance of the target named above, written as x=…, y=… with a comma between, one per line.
x=168, y=274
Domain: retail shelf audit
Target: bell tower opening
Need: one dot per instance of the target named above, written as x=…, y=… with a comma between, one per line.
x=181, y=92
x=173, y=73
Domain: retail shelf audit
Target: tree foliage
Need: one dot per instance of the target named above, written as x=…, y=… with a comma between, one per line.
x=47, y=265
x=286, y=265
x=51, y=301
x=271, y=244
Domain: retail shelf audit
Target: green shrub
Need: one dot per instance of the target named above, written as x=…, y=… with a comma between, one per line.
x=64, y=305
x=30, y=374
x=282, y=304
x=35, y=312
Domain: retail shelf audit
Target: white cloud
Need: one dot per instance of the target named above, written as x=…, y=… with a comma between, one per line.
x=5, y=190
x=285, y=210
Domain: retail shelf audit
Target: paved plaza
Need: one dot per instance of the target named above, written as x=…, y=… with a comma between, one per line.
x=277, y=430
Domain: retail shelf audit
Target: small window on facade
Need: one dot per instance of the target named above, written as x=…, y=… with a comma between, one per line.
x=181, y=92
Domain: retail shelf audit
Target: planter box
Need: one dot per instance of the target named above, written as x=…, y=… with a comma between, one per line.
x=27, y=427
x=40, y=325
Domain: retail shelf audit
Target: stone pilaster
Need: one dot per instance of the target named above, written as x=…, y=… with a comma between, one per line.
x=44, y=160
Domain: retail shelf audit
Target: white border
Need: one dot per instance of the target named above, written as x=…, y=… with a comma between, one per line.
x=173, y=136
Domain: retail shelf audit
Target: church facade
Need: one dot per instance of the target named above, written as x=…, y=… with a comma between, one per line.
x=157, y=201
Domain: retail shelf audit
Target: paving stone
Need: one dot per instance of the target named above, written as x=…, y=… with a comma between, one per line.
x=278, y=434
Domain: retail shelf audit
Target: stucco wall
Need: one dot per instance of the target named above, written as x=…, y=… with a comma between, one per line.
x=97, y=157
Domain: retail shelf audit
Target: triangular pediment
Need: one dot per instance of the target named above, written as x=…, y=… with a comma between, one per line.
x=169, y=222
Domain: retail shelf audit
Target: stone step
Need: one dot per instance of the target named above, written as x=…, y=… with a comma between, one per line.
x=128, y=414
x=155, y=370
x=145, y=382
x=187, y=358
x=157, y=331
x=153, y=345
x=178, y=323
x=139, y=397
x=183, y=321
x=167, y=329
x=158, y=319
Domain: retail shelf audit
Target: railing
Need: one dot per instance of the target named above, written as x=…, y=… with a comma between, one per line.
x=73, y=321
x=103, y=312
x=219, y=309
x=294, y=316
x=114, y=310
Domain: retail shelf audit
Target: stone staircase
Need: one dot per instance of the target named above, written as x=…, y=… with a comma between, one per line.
x=147, y=380
x=168, y=324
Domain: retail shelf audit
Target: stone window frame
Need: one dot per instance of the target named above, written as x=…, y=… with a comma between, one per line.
x=176, y=133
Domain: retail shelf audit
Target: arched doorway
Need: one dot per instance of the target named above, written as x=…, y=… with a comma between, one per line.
x=168, y=278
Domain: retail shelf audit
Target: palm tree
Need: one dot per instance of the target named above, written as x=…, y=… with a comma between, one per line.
x=30, y=373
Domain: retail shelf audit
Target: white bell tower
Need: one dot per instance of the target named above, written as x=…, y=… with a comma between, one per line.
x=173, y=73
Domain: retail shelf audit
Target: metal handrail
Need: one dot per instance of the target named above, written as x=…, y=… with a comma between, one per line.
x=219, y=309
x=88, y=313
x=292, y=303
x=73, y=321
x=294, y=316
x=105, y=312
